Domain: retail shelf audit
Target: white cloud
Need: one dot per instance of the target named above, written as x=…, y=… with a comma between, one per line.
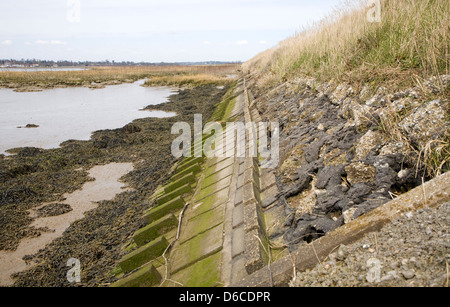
x=242, y=42
x=263, y=42
x=206, y=43
x=6, y=42
x=52, y=42
x=56, y=42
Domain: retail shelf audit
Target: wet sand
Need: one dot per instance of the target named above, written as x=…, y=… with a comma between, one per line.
x=105, y=187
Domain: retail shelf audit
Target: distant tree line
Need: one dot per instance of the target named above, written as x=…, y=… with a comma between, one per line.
x=44, y=63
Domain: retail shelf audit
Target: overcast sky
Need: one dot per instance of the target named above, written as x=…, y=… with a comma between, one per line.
x=150, y=30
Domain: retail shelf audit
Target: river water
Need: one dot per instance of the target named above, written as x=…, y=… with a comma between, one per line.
x=73, y=113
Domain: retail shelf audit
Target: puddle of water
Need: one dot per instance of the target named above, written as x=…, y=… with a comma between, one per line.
x=105, y=187
x=73, y=113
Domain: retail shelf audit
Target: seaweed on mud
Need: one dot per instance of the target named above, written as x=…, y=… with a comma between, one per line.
x=53, y=210
x=32, y=177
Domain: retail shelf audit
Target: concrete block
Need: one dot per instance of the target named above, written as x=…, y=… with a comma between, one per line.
x=189, y=163
x=195, y=168
x=146, y=277
x=188, y=179
x=197, y=249
x=144, y=254
x=167, y=197
x=253, y=257
x=155, y=229
x=168, y=208
x=253, y=217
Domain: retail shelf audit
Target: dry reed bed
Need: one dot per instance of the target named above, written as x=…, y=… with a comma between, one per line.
x=171, y=75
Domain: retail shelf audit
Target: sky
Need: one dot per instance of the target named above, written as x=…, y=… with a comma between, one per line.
x=150, y=30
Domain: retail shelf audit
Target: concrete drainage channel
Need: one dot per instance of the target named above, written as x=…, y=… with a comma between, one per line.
x=215, y=225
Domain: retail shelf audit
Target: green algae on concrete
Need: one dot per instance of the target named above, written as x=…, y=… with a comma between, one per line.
x=213, y=189
x=168, y=208
x=203, y=223
x=219, y=167
x=155, y=229
x=196, y=249
x=192, y=169
x=148, y=276
x=165, y=198
x=189, y=163
x=188, y=179
x=143, y=255
x=221, y=178
x=205, y=273
x=210, y=202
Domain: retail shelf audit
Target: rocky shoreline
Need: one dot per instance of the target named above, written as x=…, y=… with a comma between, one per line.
x=34, y=176
x=346, y=152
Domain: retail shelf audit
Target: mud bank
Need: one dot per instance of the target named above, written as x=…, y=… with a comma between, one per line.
x=58, y=217
x=34, y=176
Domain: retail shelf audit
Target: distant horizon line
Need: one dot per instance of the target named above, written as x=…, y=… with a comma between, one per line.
x=112, y=62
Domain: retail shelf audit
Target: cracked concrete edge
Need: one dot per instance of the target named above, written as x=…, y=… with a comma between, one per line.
x=432, y=194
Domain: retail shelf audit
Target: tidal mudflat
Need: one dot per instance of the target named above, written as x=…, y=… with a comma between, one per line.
x=105, y=186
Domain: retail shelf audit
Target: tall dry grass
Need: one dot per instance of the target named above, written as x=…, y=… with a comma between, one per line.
x=411, y=40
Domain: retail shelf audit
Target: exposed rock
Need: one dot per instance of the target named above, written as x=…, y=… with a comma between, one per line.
x=408, y=274
x=394, y=148
x=348, y=215
x=341, y=92
x=360, y=172
x=379, y=98
x=426, y=123
x=405, y=256
x=342, y=253
x=368, y=142
x=358, y=116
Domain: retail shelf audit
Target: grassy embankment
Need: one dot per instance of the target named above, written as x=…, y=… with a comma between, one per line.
x=410, y=44
x=404, y=50
x=99, y=76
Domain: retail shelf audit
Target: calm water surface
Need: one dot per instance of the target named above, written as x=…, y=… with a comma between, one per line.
x=73, y=113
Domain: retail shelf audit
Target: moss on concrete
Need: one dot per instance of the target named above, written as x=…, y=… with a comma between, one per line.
x=189, y=163
x=188, y=179
x=167, y=197
x=195, y=168
x=155, y=229
x=205, y=273
x=197, y=249
x=148, y=276
x=203, y=222
x=168, y=208
x=143, y=255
